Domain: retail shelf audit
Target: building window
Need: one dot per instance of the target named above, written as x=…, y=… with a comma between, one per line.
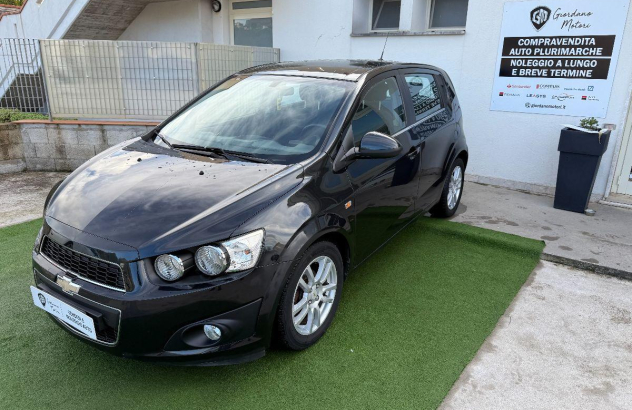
x=385, y=14
x=408, y=17
x=251, y=23
x=448, y=13
x=241, y=5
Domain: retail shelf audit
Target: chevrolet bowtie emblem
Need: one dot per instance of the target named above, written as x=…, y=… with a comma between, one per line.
x=67, y=284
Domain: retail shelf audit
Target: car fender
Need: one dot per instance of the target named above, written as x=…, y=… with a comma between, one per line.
x=456, y=148
x=288, y=240
x=307, y=236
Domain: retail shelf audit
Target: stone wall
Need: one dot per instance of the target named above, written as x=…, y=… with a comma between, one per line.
x=11, y=149
x=59, y=145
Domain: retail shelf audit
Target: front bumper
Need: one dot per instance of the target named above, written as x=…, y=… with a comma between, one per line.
x=163, y=322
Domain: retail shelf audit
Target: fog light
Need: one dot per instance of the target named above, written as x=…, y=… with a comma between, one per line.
x=212, y=332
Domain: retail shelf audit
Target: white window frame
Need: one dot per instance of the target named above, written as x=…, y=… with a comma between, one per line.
x=261, y=12
x=430, y=9
x=371, y=2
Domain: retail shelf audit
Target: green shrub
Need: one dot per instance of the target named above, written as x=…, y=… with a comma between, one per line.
x=13, y=2
x=9, y=115
x=589, y=123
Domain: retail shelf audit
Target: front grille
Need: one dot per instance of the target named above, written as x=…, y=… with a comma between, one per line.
x=85, y=266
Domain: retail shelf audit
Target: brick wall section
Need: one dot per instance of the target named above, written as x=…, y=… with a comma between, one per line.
x=61, y=146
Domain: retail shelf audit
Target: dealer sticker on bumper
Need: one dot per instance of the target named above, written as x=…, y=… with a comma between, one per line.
x=64, y=312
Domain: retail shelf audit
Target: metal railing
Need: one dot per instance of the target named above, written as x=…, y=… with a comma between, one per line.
x=117, y=79
x=22, y=85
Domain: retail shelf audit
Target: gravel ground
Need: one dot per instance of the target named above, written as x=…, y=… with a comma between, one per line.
x=23, y=194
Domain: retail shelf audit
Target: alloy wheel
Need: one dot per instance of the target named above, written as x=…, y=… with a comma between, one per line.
x=314, y=295
x=455, y=186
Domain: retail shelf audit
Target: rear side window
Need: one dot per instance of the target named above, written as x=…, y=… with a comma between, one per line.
x=425, y=94
x=381, y=109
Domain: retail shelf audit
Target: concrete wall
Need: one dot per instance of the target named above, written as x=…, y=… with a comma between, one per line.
x=508, y=148
x=58, y=146
x=49, y=19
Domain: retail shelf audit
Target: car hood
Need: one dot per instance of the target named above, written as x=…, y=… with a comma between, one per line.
x=159, y=200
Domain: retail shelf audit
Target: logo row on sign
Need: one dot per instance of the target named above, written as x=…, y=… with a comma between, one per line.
x=552, y=87
x=558, y=97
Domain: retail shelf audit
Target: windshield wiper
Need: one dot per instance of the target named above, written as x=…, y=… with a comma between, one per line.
x=159, y=135
x=248, y=157
x=216, y=151
x=223, y=153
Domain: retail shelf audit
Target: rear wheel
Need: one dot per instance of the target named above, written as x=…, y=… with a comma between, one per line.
x=452, y=191
x=310, y=297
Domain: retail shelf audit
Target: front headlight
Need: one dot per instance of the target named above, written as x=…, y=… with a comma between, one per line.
x=211, y=260
x=243, y=251
x=234, y=255
x=169, y=267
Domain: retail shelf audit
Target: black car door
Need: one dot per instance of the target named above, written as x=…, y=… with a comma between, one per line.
x=385, y=188
x=433, y=132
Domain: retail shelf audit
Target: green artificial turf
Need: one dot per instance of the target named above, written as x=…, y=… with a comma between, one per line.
x=410, y=320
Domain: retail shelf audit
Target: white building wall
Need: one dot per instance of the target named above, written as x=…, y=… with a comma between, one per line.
x=48, y=20
x=510, y=146
x=184, y=20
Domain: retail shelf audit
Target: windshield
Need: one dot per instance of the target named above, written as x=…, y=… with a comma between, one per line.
x=279, y=118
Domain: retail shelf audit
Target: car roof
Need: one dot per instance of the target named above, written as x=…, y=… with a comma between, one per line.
x=349, y=70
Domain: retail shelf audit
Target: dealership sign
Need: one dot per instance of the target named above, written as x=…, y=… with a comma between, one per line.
x=558, y=57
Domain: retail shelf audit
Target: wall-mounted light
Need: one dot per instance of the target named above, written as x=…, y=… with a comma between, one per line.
x=217, y=6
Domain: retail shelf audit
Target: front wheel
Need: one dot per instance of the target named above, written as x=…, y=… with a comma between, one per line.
x=310, y=297
x=452, y=191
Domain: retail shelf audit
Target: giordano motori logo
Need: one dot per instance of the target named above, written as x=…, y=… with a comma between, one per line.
x=539, y=16
x=42, y=299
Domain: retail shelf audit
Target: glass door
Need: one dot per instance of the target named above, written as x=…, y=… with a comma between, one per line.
x=251, y=23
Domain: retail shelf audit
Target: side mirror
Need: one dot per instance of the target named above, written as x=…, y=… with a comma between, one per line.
x=378, y=145
x=372, y=145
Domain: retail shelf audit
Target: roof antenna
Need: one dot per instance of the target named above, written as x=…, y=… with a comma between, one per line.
x=382, y=55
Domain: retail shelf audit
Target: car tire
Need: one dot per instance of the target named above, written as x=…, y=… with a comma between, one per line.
x=452, y=187
x=317, y=297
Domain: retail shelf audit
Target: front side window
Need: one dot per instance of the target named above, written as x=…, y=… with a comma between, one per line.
x=385, y=14
x=282, y=119
x=448, y=13
x=424, y=94
x=381, y=109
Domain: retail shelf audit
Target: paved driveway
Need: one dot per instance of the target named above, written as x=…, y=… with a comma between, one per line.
x=602, y=242
x=23, y=194
x=564, y=343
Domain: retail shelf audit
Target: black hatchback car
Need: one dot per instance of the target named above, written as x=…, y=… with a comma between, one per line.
x=234, y=223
